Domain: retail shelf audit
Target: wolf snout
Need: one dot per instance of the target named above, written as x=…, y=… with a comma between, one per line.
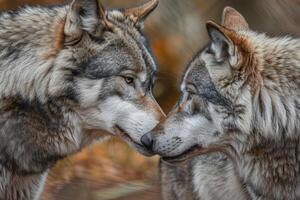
x=147, y=141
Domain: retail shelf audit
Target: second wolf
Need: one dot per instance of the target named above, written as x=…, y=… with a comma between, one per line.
x=240, y=101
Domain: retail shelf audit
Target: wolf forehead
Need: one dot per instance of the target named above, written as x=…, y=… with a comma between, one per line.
x=131, y=51
x=105, y=63
x=133, y=35
x=197, y=75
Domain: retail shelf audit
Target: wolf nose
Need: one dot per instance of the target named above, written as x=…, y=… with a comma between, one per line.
x=147, y=141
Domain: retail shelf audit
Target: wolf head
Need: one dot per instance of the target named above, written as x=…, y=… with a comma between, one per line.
x=241, y=84
x=112, y=70
x=189, y=127
x=210, y=84
x=87, y=61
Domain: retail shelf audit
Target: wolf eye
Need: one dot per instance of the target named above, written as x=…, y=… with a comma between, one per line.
x=191, y=89
x=129, y=80
x=191, y=92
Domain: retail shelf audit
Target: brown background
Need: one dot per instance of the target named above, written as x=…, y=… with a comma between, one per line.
x=176, y=31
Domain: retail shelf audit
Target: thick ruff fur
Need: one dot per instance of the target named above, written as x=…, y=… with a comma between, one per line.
x=240, y=97
x=70, y=75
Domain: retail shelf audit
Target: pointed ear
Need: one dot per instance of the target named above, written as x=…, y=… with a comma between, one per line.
x=232, y=19
x=221, y=45
x=84, y=15
x=140, y=13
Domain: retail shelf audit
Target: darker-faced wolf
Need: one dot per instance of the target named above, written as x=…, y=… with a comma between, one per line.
x=238, y=109
x=70, y=75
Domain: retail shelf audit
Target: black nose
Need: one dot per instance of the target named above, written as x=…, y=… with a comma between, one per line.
x=147, y=140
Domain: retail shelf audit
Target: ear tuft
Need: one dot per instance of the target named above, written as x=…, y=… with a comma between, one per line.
x=212, y=25
x=215, y=31
x=84, y=15
x=141, y=12
x=101, y=11
x=222, y=45
x=232, y=19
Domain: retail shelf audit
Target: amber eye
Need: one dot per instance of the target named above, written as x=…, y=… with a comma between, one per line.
x=191, y=89
x=129, y=80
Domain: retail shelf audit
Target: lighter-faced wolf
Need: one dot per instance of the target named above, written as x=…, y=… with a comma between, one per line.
x=240, y=100
x=69, y=73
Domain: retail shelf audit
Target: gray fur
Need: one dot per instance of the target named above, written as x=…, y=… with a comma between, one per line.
x=64, y=85
x=239, y=97
x=253, y=167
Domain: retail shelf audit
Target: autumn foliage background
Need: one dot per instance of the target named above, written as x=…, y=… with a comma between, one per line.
x=176, y=31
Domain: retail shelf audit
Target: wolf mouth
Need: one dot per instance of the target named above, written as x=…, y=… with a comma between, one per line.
x=188, y=154
x=125, y=136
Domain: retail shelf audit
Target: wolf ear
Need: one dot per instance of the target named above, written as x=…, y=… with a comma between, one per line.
x=84, y=15
x=140, y=13
x=232, y=19
x=221, y=45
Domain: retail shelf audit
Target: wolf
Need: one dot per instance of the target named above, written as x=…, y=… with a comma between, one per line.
x=239, y=108
x=70, y=75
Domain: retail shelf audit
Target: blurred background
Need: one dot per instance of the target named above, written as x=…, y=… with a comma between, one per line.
x=176, y=30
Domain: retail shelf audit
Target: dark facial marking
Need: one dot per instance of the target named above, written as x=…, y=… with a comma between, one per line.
x=143, y=46
x=199, y=76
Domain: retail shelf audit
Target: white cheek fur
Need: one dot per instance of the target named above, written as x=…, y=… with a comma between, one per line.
x=89, y=91
x=115, y=111
x=137, y=123
x=188, y=132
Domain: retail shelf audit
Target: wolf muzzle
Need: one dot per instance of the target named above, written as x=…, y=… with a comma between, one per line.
x=147, y=141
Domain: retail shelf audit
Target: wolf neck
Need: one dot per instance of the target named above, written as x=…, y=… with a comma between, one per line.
x=268, y=168
x=270, y=97
x=27, y=42
x=277, y=100
x=12, y=186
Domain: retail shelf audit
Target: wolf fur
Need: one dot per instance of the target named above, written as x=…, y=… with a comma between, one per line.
x=70, y=75
x=239, y=97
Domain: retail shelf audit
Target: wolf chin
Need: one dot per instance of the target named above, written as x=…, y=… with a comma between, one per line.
x=70, y=75
x=239, y=106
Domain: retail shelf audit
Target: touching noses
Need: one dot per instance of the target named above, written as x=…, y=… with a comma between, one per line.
x=147, y=140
